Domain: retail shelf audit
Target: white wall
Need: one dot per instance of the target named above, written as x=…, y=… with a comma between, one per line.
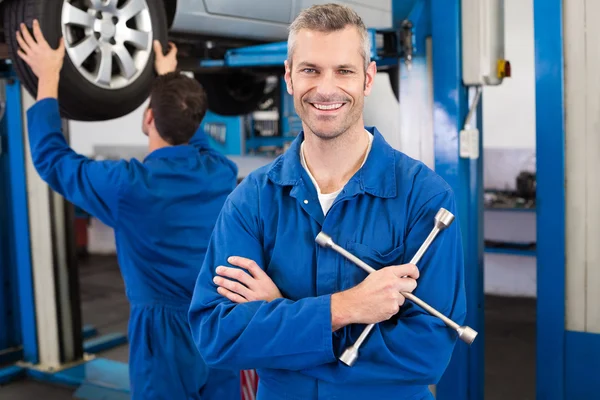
x=124, y=131
x=582, y=102
x=509, y=140
x=509, y=109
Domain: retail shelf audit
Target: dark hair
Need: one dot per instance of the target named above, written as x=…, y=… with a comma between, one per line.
x=179, y=104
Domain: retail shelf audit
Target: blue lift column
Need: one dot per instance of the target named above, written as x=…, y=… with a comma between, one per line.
x=551, y=339
x=15, y=262
x=464, y=378
x=440, y=20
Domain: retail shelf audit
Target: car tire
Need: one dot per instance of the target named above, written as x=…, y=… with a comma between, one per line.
x=79, y=98
x=232, y=93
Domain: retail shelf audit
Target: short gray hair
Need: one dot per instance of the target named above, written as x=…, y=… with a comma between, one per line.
x=329, y=18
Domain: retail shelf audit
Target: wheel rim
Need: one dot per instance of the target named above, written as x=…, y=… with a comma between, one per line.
x=108, y=41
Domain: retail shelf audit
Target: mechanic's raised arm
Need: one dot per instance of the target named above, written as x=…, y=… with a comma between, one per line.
x=280, y=334
x=92, y=185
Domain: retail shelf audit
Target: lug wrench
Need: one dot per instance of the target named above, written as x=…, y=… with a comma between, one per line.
x=443, y=219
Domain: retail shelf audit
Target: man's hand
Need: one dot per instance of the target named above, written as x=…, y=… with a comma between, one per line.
x=44, y=61
x=165, y=63
x=375, y=299
x=253, y=285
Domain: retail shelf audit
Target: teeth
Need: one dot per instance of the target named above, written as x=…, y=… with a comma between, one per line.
x=328, y=106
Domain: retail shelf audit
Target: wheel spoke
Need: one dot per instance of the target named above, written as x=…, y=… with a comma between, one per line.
x=138, y=38
x=83, y=50
x=131, y=9
x=106, y=63
x=72, y=15
x=118, y=48
x=103, y=5
x=112, y=5
x=125, y=61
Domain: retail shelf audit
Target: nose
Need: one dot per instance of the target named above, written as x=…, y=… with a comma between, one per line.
x=326, y=84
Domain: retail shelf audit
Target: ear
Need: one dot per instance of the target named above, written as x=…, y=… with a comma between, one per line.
x=370, y=77
x=149, y=117
x=288, y=78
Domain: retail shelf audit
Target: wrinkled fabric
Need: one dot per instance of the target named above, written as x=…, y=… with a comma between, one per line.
x=382, y=215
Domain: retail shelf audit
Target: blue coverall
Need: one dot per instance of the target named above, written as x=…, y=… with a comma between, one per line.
x=383, y=215
x=163, y=211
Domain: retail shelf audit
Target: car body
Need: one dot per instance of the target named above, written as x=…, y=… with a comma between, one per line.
x=108, y=70
x=262, y=20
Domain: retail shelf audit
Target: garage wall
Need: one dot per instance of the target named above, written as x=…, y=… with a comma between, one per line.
x=125, y=131
x=509, y=109
x=509, y=147
x=582, y=120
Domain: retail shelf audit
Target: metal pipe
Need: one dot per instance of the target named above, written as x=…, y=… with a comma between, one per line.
x=443, y=219
x=473, y=107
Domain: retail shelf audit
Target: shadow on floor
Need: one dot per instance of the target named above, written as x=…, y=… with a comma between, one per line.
x=510, y=348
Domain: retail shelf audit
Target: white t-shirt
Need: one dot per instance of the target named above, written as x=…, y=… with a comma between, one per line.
x=327, y=199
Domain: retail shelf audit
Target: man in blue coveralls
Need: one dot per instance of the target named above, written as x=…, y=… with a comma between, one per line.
x=341, y=178
x=162, y=210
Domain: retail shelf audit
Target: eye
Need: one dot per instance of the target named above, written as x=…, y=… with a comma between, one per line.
x=345, y=71
x=309, y=70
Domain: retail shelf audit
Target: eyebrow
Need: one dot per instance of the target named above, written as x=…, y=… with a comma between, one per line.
x=305, y=64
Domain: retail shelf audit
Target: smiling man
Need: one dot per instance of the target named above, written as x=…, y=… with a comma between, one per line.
x=268, y=298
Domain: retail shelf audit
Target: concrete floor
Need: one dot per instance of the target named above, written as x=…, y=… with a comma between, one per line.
x=509, y=336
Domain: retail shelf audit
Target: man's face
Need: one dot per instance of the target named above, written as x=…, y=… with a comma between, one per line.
x=327, y=78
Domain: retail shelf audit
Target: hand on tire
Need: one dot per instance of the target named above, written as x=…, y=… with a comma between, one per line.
x=44, y=61
x=165, y=63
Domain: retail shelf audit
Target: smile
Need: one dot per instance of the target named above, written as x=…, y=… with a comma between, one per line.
x=327, y=107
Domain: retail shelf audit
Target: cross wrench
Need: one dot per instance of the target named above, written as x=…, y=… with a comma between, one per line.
x=443, y=219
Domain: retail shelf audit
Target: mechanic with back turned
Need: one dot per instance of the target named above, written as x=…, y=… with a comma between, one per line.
x=162, y=210
x=269, y=298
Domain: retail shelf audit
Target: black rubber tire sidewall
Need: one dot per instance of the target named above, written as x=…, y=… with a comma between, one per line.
x=221, y=102
x=80, y=99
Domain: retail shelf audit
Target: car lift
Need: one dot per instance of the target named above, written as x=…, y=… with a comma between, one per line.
x=41, y=320
x=40, y=327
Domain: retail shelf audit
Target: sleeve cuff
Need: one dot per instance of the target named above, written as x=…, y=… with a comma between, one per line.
x=47, y=104
x=324, y=308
